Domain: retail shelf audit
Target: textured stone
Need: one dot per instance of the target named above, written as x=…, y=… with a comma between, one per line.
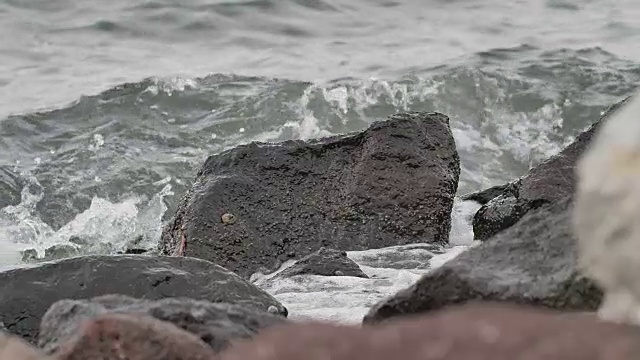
x=391, y=184
x=27, y=293
x=326, y=262
x=214, y=323
x=133, y=337
x=533, y=262
x=471, y=332
x=548, y=182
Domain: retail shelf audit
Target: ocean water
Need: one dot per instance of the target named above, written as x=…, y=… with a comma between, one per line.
x=107, y=109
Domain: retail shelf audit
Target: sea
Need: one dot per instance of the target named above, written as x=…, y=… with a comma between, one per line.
x=108, y=108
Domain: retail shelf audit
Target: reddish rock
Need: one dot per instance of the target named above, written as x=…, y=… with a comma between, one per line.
x=133, y=337
x=14, y=348
x=470, y=332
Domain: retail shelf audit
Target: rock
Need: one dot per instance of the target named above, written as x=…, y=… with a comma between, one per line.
x=133, y=337
x=14, y=348
x=214, y=323
x=500, y=213
x=484, y=196
x=533, y=262
x=135, y=251
x=606, y=214
x=391, y=184
x=27, y=293
x=548, y=182
x=326, y=262
x=471, y=332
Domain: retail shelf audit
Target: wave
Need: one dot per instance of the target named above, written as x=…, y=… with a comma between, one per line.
x=509, y=109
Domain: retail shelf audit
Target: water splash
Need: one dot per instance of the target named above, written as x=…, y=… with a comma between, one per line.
x=105, y=227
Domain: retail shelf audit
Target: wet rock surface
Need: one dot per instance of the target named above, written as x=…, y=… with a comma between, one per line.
x=27, y=293
x=471, y=332
x=391, y=184
x=326, y=262
x=550, y=181
x=534, y=262
x=214, y=323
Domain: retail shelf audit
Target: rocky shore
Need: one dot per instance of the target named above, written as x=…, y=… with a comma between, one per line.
x=518, y=295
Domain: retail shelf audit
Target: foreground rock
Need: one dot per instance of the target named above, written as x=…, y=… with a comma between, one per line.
x=14, y=348
x=326, y=262
x=215, y=324
x=27, y=293
x=258, y=205
x=133, y=337
x=533, y=262
x=478, y=332
x=550, y=181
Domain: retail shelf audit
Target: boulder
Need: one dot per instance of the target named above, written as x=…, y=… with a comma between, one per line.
x=214, y=323
x=471, y=332
x=258, y=205
x=534, y=262
x=14, y=348
x=326, y=262
x=133, y=337
x=27, y=293
x=548, y=182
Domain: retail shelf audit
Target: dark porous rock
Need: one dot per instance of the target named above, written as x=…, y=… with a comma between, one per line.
x=214, y=323
x=260, y=204
x=133, y=337
x=326, y=262
x=14, y=348
x=550, y=181
x=484, y=196
x=470, y=332
x=534, y=262
x=27, y=293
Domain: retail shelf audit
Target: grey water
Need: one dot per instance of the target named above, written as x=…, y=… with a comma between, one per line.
x=108, y=108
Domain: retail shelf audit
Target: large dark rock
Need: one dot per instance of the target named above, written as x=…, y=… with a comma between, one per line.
x=27, y=293
x=534, y=262
x=258, y=205
x=550, y=181
x=214, y=323
x=326, y=262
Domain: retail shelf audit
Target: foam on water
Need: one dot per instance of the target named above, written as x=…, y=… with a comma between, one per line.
x=346, y=299
x=105, y=227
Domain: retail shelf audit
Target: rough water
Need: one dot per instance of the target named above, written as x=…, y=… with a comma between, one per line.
x=107, y=109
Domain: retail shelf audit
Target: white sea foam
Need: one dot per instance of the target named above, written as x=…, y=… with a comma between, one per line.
x=104, y=225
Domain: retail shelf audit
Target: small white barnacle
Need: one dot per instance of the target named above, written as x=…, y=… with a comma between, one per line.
x=606, y=212
x=228, y=218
